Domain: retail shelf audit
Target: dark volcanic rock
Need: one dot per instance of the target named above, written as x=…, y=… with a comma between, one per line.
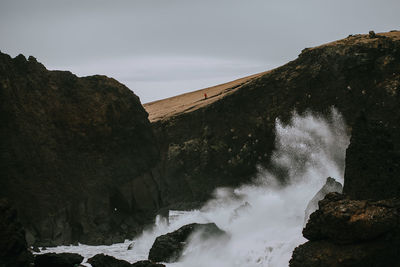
x=147, y=264
x=330, y=186
x=58, y=260
x=342, y=220
x=101, y=260
x=346, y=232
x=77, y=155
x=327, y=254
x=169, y=247
x=373, y=159
x=13, y=249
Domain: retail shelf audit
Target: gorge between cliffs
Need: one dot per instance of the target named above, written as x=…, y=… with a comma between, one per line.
x=86, y=168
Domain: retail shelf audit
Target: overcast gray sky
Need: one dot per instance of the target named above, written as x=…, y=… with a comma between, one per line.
x=160, y=48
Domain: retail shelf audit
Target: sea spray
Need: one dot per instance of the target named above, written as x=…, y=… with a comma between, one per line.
x=264, y=218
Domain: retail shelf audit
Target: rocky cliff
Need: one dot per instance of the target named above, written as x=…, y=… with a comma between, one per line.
x=221, y=143
x=81, y=161
x=77, y=155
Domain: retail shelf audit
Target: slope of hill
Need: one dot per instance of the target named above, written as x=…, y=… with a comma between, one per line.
x=173, y=106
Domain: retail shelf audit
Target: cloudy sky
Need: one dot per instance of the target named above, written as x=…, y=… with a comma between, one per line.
x=160, y=48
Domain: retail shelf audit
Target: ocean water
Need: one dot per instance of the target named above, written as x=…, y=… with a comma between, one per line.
x=263, y=219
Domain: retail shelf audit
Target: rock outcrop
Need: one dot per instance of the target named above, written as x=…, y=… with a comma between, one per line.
x=345, y=232
x=58, y=260
x=77, y=155
x=330, y=186
x=199, y=153
x=13, y=248
x=169, y=247
x=373, y=158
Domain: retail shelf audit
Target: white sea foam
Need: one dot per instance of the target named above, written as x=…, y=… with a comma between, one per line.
x=264, y=219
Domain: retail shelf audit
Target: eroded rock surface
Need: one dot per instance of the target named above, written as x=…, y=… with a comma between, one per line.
x=373, y=158
x=343, y=220
x=331, y=185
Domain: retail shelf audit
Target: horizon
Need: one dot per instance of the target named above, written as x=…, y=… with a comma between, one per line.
x=160, y=50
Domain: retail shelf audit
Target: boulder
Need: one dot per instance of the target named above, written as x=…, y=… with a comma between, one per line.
x=331, y=185
x=147, y=264
x=345, y=221
x=169, y=247
x=345, y=232
x=58, y=260
x=101, y=260
x=13, y=248
x=131, y=245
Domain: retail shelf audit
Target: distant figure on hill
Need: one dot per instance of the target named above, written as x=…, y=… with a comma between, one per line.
x=205, y=95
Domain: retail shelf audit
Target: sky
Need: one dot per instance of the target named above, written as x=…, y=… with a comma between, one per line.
x=162, y=48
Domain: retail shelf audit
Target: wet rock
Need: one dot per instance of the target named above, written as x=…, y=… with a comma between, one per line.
x=147, y=264
x=331, y=185
x=345, y=232
x=327, y=254
x=58, y=260
x=35, y=249
x=101, y=260
x=131, y=245
x=342, y=220
x=169, y=247
x=13, y=248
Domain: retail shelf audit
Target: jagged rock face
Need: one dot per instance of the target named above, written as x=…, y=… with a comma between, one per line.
x=169, y=247
x=330, y=186
x=373, y=158
x=349, y=221
x=221, y=144
x=13, y=248
x=77, y=155
x=58, y=260
x=345, y=232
